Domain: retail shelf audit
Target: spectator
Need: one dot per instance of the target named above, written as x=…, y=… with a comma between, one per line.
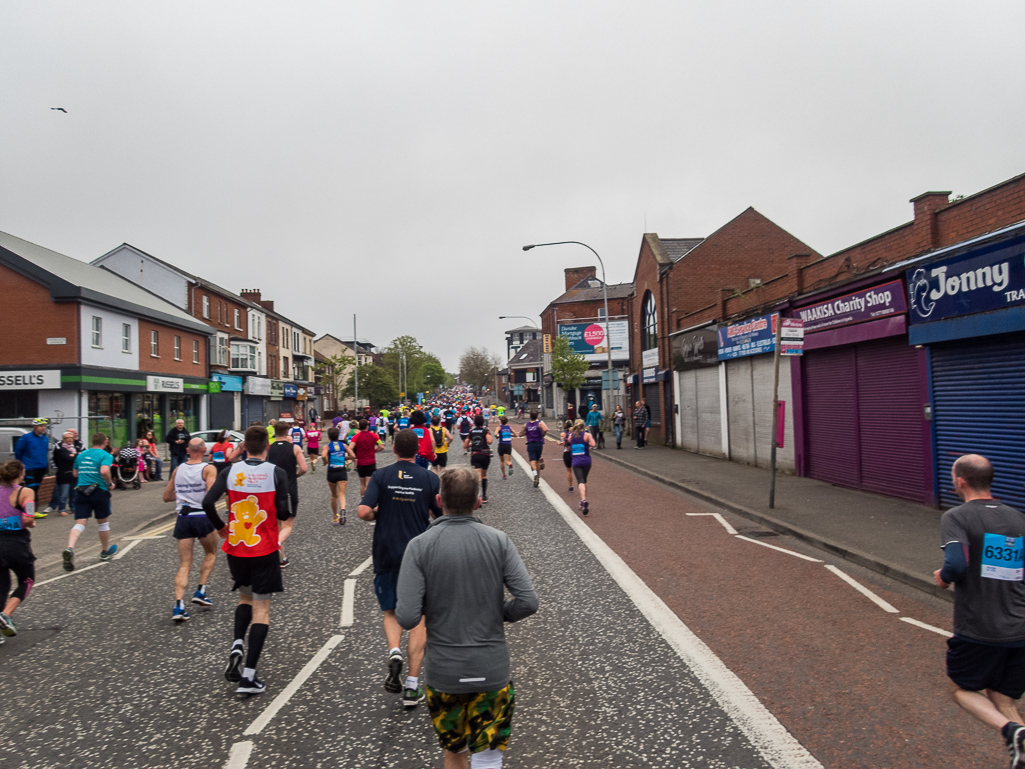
x=33, y=451
x=178, y=443
x=64, y=454
x=153, y=460
x=642, y=418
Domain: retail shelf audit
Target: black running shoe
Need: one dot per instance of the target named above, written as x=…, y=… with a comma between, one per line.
x=341, y=517
x=1016, y=748
x=391, y=682
x=69, y=559
x=413, y=697
x=583, y=507
x=537, y=480
x=233, y=673
x=251, y=686
x=284, y=562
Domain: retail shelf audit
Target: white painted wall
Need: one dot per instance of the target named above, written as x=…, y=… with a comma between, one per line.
x=64, y=405
x=146, y=272
x=110, y=354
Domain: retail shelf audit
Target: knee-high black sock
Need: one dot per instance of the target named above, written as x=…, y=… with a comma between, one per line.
x=484, y=487
x=243, y=616
x=257, y=635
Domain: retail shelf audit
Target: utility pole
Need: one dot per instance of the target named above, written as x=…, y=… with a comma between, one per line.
x=355, y=350
x=775, y=409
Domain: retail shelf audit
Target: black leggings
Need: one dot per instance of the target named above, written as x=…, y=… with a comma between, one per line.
x=19, y=559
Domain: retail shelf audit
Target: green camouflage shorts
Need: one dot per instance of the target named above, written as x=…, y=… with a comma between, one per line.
x=479, y=721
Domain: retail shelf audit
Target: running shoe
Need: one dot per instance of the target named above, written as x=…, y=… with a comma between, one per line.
x=391, y=682
x=233, y=673
x=510, y=469
x=69, y=559
x=284, y=561
x=39, y=515
x=106, y=554
x=570, y=489
x=6, y=626
x=583, y=507
x=1016, y=748
x=537, y=480
x=250, y=686
x=335, y=518
x=484, y=500
x=341, y=518
x=541, y=464
x=201, y=598
x=49, y=509
x=413, y=697
x=179, y=614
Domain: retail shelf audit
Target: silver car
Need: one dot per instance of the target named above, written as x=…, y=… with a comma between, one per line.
x=210, y=438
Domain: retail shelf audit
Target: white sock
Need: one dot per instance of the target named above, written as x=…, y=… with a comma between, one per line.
x=412, y=682
x=395, y=650
x=486, y=759
x=249, y=673
x=533, y=472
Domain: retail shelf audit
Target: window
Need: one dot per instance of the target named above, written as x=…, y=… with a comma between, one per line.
x=195, y=351
x=295, y=341
x=97, y=331
x=177, y=348
x=272, y=364
x=238, y=320
x=531, y=376
x=126, y=337
x=206, y=306
x=154, y=346
x=243, y=356
x=220, y=318
x=284, y=367
x=649, y=323
x=601, y=312
x=221, y=358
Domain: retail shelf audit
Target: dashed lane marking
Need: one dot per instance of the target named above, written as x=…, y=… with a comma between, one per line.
x=718, y=517
x=70, y=574
x=160, y=530
x=766, y=733
x=917, y=623
x=154, y=536
x=863, y=590
x=239, y=755
x=121, y=553
x=362, y=567
x=780, y=549
x=348, y=602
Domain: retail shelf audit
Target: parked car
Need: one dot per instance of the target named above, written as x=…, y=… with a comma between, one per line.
x=9, y=437
x=210, y=437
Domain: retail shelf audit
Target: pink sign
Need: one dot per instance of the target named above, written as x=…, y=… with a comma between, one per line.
x=594, y=335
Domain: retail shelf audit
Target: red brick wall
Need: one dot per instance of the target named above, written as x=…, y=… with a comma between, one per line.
x=30, y=317
x=222, y=310
x=576, y=274
x=166, y=364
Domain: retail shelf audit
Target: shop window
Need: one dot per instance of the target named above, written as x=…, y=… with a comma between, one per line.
x=126, y=337
x=183, y=407
x=195, y=351
x=177, y=347
x=107, y=415
x=18, y=404
x=97, y=331
x=154, y=344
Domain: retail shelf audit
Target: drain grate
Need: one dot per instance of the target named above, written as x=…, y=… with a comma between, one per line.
x=760, y=534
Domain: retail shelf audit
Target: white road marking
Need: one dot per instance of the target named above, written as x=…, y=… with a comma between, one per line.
x=780, y=549
x=153, y=536
x=863, y=590
x=282, y=699
x=161, y=530
x=126, y=548
x=69, y=574
x=239, y=755
x=917, y=623
x=718, y=517
x=362, y=567
x=766, y=733
x=348, y=602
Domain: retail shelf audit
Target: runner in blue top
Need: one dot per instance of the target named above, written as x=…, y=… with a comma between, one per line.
x=504, y=436
x=465, y=424
x=335, y=454
x=404, y=421
x=298, y=434
x=580, y=444
x=535, y=431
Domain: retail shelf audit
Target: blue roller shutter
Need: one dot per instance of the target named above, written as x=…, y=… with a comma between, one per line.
x=979, y=408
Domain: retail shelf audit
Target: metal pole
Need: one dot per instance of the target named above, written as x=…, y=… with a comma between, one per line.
x=775, y=412
x=355, y=349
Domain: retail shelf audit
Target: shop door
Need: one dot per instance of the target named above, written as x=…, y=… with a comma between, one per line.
x=222, y=410
x=979, y=408
x=831, y=416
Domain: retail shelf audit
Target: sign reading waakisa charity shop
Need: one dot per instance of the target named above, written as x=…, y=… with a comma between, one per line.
x=750, y=337
x=592, y=340
x=980, y=281
x=867, y=304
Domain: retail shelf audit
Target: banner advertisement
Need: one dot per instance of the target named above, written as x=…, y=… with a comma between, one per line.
x=592, y=340
x=277, y=390
x=867, y=304
x=229, y=383
x=257, y=386
x=291, y=390
x=750, y=337
x=695, y=350
x=30, y=380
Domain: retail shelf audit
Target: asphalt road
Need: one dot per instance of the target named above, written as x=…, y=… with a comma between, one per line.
x=662, y=640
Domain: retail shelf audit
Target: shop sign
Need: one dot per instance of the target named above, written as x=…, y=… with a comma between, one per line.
x=867, y=304
x=277, y=390
x=791, y=337
x=649, y=375
x=291, y=390
x=257, y=386
x=213, y=387
x=592, y=340
x=56, y=340
x=229, y=383
x=750, y=337
x=695, y=350
x=300, y=394
x=30, y=380
x=162, y=384
x=979, y=281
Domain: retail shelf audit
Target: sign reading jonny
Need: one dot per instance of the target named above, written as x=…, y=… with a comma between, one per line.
x=867, y=304
x=30, y=380
x=980, y=281
x=696, y=349
x=592, y=339
x=751, y=337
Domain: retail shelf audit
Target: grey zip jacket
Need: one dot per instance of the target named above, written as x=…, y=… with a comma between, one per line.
x=453, y=574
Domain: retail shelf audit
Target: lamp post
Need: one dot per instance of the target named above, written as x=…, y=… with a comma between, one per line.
x=605, y=296
x=541, y=367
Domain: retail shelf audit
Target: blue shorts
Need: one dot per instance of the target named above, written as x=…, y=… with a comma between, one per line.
x=534, y=451
x=192, y=527
x=385, y=584
x=423, y=461
x=97, y=503
x=975, y=666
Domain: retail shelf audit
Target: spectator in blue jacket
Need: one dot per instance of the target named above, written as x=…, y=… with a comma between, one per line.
x=33, y=451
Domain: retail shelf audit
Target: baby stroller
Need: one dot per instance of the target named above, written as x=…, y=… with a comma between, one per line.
x=126, y=469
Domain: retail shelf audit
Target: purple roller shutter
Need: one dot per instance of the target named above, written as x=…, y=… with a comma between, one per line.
x=831, y=416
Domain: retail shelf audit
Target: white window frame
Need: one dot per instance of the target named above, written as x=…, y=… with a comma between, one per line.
x=195, y=351
x=177, y=347
x=154, y=344
x=126, y=337
x=97, y=332
x=243, y=356
x=238, y=319
x=206, y=307
x=222, y=352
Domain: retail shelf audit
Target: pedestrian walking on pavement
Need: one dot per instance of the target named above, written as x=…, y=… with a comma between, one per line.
x=454, y=576
x=618, y=425
x=177, y=440
x=593, y=421
x=983, y=544
x=401, y=498
x=642, y=418
x=17, y=516
x=188, y=484
x=33, y=451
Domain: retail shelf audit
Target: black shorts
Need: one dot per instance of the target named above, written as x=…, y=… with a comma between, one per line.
x=365, y=471
x=262, y=574
x=192, y=527
x=441, y=460
x=567, y=459
x=480, y=461
x=975, y=666
x=313, y=452
x=580, y=472
x=337, y=474
x=504, y=448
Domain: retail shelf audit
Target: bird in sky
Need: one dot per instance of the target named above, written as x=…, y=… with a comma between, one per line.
x=60, y=109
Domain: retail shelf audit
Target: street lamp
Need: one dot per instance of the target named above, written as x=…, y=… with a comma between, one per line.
x=541, y=368
x=605, y=295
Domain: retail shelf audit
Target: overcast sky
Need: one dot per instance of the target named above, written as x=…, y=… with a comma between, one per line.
x=390, y=159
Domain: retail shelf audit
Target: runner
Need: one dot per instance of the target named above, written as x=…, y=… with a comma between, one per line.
x=535, y=431
x=186, y=487
x=401, y=498
x=382, y=428
x=425, y=454
x=391, y=427
x=313, y=445
x=289, y=457
x=580, y=444
x=297, y=433
x=442, y=438
x=335, y=454
x=478, y=442
x=17, y=516
x=222, y=453
x=465, y=425
x=92, y=497
x=364, y=446
x=403, y=422
x=258, y=498
x=567, y=455
x=504, y=434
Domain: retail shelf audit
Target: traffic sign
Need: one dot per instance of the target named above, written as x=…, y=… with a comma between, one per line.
x=547, y=343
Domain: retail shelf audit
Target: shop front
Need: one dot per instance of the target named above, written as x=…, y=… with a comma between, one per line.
x=286, y=409
x=699, y=380
x=861, y=394
x=968, y=310
x=273, y=406
x=225, y=404
x=256, y=392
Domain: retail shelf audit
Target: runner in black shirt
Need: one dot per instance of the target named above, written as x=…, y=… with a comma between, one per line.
x=290, y=458
x=477, y=441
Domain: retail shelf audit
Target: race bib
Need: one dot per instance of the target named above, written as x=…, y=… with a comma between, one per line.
x=217, y=456
x=336, y=459
x=579, y=449
x=419, y=432
x=1002, y=558
x=12, y=523
x=506, y=436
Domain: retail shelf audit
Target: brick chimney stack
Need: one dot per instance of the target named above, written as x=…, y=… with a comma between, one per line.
x=255, y=296
x=576, y=274
x=927, y=205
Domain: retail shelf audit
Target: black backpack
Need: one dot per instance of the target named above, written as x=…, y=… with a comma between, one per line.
x=439, y=436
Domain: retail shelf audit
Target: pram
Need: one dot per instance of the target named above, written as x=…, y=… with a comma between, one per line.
x=126, y=469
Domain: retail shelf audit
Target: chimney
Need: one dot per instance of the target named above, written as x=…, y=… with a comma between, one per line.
x=927, y=205
x=576, y=274
x=797, y=264
x=267, y=304
x=251, y=295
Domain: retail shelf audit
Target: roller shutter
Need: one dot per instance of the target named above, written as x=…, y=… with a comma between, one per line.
x=651, y=396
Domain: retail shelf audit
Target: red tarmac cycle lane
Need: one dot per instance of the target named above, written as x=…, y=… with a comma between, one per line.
x=855, y=685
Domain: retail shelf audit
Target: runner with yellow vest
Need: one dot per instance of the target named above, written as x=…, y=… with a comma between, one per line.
x=442, y=438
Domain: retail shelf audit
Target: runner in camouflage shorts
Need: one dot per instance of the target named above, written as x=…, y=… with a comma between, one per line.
x=479, y=721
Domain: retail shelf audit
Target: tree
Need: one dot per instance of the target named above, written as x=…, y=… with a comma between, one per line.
x=434, y=375
x=376, y=384
x=415, y=359
x=568, y=367
x=335, y=370
x=477, y=367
